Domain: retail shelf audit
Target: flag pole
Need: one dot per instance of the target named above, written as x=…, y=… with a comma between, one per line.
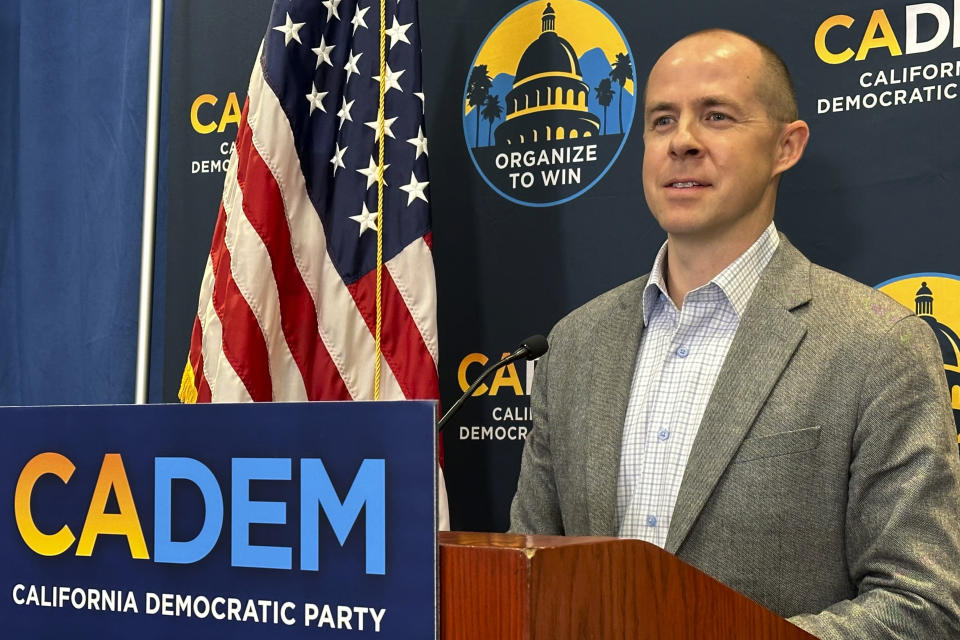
x=149, y=201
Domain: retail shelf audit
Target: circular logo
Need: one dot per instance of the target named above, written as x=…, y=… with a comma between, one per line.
x=548, y=101
x=935, y=297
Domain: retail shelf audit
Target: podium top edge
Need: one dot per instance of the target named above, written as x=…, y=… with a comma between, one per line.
x=519, y=541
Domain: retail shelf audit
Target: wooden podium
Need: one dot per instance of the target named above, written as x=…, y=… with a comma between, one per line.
x=505, y=587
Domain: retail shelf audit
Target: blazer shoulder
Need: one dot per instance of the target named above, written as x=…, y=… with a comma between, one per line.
x=854, y=305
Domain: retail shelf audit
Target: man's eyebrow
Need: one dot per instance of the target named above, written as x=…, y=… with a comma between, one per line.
x=661, y=106
x=706, y=101
x=716, y=101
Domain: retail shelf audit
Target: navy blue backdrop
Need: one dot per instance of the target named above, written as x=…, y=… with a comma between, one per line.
x=74, y=78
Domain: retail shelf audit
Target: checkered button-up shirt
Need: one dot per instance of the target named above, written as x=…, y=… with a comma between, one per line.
x=678, y=362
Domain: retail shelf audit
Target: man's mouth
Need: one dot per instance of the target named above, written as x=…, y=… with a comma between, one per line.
x=686, y=184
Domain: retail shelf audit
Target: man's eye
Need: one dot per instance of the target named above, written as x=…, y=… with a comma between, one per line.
x=716, y=116
x=661, y=121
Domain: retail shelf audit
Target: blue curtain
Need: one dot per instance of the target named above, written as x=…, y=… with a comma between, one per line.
x=72, y=121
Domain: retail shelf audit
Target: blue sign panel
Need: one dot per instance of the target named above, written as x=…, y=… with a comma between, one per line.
x=238, y=521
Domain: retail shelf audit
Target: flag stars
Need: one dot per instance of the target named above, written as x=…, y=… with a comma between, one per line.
x=337, y=159
x=358, y=21
x=371, y=172
x=323, y=53
x=315, y=98
x=351, y=66
x=387, y=124
x=415, y=189
x=344, y=113
x=398, y=32
x=392, y=77
x=420, y=142
x=290, y=30
x=423, y=101
x=331, y=6
x=367, y=219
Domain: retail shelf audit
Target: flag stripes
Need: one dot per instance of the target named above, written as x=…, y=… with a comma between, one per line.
x=403, y=345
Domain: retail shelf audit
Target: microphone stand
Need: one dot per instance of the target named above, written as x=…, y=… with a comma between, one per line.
x=532, y=347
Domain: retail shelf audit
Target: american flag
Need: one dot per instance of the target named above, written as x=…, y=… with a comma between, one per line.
x=288, y=301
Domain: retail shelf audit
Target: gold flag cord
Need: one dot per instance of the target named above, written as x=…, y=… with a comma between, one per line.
x=382, y=138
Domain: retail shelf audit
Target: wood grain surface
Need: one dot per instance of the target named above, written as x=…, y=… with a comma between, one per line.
x=506, y=587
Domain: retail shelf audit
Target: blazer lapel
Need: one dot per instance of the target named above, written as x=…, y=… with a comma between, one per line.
x=613, y=358
x=763, y=345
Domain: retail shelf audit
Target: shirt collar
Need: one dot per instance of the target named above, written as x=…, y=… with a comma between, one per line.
x=737, y=280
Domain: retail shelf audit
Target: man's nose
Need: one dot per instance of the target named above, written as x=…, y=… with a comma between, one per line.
x=684, y=142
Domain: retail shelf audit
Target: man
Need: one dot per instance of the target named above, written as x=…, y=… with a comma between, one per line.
x=783, y=428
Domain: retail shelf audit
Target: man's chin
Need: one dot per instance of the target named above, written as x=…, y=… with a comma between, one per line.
x=683, y=224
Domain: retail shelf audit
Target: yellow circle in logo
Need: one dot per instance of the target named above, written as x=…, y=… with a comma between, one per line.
x=587, y=28
x=944, y=294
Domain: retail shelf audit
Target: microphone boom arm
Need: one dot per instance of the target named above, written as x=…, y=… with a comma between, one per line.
x=531, y=348
x=516, y=355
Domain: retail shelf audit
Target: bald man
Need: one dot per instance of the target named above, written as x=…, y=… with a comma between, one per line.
x=776, y=424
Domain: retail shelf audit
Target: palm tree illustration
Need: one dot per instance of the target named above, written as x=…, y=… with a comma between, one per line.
x=621, y=72
x=477, y=90
x=604, y=97
x=491, y=112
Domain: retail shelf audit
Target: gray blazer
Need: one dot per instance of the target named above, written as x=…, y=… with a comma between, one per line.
x=824, y=480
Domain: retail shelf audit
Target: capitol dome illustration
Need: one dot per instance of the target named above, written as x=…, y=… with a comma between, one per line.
x=949, y=344
x=549, y=97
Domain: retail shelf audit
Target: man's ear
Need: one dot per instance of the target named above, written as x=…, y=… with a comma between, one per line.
x=793, y=140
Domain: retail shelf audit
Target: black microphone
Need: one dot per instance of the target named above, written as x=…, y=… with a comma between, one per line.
x=531, y=349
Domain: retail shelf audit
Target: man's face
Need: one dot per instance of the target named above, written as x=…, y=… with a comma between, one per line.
x=710, y=149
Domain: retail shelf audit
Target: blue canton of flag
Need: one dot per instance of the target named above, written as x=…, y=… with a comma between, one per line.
x=322, y=62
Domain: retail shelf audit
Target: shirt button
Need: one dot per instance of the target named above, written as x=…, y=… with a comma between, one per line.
x=663, y=434
x=651, y=521
x=683, y=352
